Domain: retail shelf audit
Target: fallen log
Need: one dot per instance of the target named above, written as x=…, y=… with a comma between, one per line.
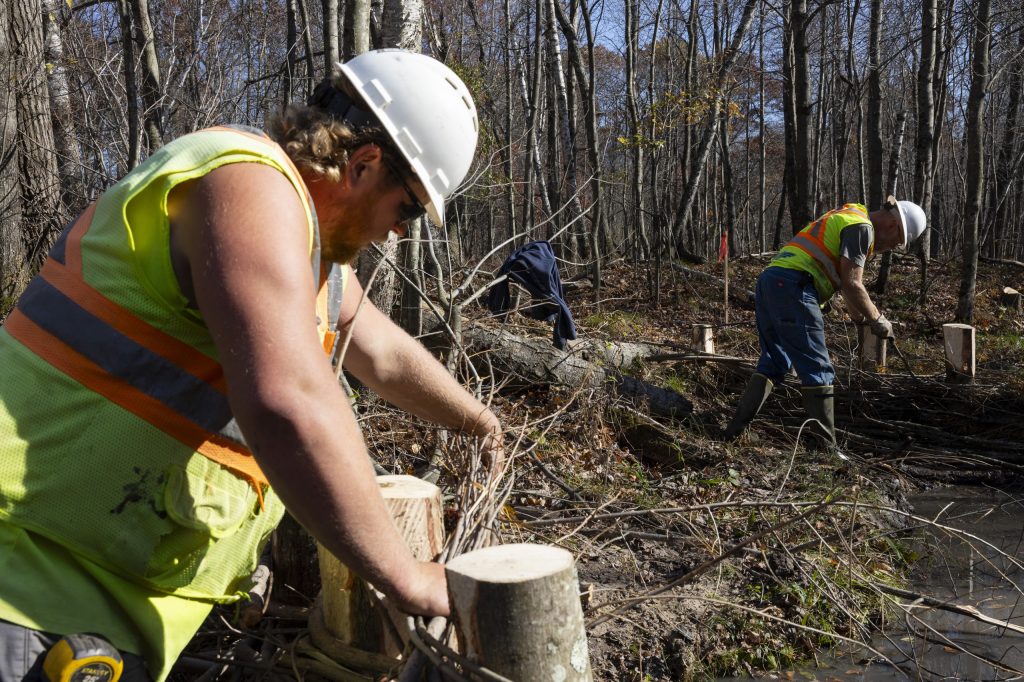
x=1001, y=261
x=530, y=361
x=744, y=297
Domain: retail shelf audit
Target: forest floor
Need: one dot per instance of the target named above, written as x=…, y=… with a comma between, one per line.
x=698, y=558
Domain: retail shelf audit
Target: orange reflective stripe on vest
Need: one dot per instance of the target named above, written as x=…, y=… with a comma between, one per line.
x=113, y=352
x=811, y=240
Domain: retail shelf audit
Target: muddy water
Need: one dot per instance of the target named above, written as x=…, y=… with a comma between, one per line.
x=956, y=572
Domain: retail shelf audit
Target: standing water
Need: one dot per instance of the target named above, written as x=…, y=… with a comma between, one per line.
x=936, y=644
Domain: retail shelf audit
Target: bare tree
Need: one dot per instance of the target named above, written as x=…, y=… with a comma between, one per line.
x=39, y=179
x=65, y=128
x=924, y=166
x=150, y=91
x=332, y=45
x=974, y=140
x=357, y=28
x=798, y=112
x=12, y=247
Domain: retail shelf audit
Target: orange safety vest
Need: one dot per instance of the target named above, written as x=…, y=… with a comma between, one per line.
x=174, y=387
x=815, y=249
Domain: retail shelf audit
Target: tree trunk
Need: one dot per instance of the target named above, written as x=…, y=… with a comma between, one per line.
x=150, y=74
x=131, y=86
x=402, y=24
x=711, y=129
x=924, y=168
x=288, y=85
x=357, y=28
x=635, y=138
x=975, y=169
x=890, y=189
x=876, y=181
x=39, y=178
x=1006, y=165
x=332, y=45
x=65, y=130
x=566, y=127
x=800, y=210
x=402, y=27
x=510, y=191
x=13, y=275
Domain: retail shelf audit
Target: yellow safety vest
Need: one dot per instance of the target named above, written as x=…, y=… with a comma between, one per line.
x=815, y=249
x=116, y=437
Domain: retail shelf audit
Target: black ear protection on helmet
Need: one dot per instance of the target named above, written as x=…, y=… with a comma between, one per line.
x=340, y=106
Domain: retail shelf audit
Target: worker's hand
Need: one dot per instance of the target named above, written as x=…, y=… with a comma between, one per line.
x=425, y=592
x=493, y=450
x=881, y=327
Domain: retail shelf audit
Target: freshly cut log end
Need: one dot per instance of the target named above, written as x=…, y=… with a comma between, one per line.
x=873, y=349
x=349, y=614
x=514, y=563
x=516, y=609
x=1010, y=298
x=401, y=487
x=703, y=338
x=960, y=346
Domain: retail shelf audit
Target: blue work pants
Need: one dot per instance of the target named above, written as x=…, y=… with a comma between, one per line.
x=790, y=328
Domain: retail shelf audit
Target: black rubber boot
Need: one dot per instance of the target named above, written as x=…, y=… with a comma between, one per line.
x=819, y=404
x=758, y=389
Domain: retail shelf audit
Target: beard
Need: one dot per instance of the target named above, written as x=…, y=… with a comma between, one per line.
x=341, y=247
x=345, y=254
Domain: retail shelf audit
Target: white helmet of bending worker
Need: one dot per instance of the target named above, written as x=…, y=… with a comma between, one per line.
x=912, y=220
x=428, y=112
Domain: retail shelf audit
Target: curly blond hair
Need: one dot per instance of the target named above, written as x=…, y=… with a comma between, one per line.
x=320, y=144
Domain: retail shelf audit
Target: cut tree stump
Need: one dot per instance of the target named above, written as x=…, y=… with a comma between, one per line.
x=351, y=617
x=517, y=612
x=703, y=338
x=1010, y=298
x=959, y=343
x=872, y=349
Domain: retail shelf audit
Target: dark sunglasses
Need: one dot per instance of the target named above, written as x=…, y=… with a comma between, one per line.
x=414, y=210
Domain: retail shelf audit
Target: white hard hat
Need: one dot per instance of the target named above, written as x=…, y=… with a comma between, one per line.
x=428, y=112
x=912, y=221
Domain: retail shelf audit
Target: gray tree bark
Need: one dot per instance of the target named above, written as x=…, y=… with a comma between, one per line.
x=799, y=209
x=402, y=27
x=924, y=167
x=39, y=178
x=332, y=44
x=12, y=246
x=131, y=85
x=151, y=93
x=65, y=129
x=974, y=140
x=356, y=32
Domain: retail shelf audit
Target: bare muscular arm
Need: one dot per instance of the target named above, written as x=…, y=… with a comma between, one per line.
x=253, y=284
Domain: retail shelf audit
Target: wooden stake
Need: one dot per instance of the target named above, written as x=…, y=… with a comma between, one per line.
x=872, y=348
x=516, y=609
x=347, y=609
x=703, y=338
x=959, y=342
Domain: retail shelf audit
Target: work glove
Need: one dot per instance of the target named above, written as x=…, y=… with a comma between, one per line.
x=881, y=327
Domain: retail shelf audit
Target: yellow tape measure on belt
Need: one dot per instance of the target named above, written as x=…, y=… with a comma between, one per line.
x=83, y=658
